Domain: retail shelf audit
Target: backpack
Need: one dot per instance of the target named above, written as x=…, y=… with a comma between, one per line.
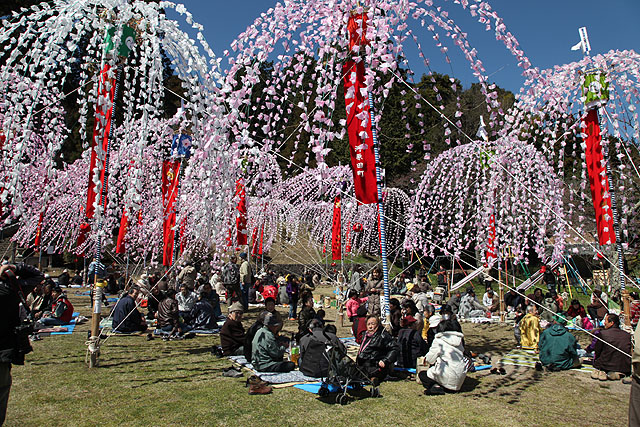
x=230, y=274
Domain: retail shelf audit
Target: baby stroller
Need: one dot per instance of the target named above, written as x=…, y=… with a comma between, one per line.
x=344, y=375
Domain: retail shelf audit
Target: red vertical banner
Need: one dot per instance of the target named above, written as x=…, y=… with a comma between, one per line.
x=122, y=232
x=598, y=179
x=170, y=178
x=358, y=123
x=36, y=243
x=254, y=241
x=241, y=219
x=491, y=240
x=336, y=231
x=347, y=237
x=183, y=227
x=101, y=128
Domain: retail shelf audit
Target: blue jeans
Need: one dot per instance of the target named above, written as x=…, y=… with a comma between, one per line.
x=244, y=288
x=293, y=306
x=52, y=321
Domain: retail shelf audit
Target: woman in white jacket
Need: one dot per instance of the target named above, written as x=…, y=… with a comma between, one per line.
x=448, y=369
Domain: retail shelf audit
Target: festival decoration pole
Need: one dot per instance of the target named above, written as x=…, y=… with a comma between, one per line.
x=383, y=241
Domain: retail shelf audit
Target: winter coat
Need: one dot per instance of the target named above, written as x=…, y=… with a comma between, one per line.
x=313, y=361
x=62, y=309
x=359, y=328
x=306, y=315
x=202, y=315
x=353, y=305
x=529, y=331
x=9, y=319
x=125, y=316
x=188, y=276
x=574, y=312
x=469, y=306
x=557, y=347
x=446, y=358
x=410, y=346
x=168, y=313
x=266, y=352
x=379, y=346
x=231, y=336
x=374, y=288
x=609, y=359
x=246, y=274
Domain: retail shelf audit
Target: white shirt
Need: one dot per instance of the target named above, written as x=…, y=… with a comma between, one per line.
x=185, y=303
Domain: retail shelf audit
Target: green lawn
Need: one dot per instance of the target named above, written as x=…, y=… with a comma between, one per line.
x=180, y=383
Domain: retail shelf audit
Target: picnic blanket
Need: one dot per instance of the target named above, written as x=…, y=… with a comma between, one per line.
x=528, y=358
x=292, y=378
x=315, y=387
x=69, y=327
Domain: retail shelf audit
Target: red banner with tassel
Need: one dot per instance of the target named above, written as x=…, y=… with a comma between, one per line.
x=241, y=219
x=122, y=232
x=598, y=179
x=358, y=123
x=170, y=178
x=336, y=230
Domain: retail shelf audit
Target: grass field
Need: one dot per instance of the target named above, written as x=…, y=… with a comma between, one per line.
x=180, y=383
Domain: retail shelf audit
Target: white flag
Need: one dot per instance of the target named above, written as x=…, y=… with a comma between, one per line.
x=577, y=46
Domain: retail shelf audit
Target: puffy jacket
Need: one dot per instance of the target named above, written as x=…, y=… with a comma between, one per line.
x=266, y=352
x=231, y=336
x=411, y=346
x=168, y=313
x=557, y=347
x=446, y=359
x=379, y=346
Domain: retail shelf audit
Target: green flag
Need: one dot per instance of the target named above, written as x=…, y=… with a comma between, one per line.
x=127, y=40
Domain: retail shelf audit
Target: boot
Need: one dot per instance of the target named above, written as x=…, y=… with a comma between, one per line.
x=260, y=389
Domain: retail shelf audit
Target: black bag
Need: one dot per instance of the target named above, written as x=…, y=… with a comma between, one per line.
x=23, y=345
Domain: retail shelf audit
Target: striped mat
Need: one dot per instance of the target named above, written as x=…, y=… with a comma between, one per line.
x=528, y=358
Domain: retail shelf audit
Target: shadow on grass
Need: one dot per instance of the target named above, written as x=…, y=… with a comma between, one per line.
x=127, y=362
x=189, y=376
x=510, y=386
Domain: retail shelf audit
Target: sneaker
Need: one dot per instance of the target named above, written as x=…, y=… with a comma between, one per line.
x=613, y=376
x=260, y=389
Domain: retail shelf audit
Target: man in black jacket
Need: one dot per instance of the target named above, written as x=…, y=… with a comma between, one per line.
x=12, y=347
x=126, y=317
x=313, y=361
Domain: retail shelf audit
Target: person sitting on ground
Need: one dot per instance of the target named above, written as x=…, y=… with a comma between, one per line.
x=599, y=306
x=269, y=307
x=558, y=346
x=212, y=297
x=494, y=300
x=395, y=313
x=419, y=298
x=232, y=334
x=576, y=309
x=202, y=314
x=558, y=300
x=378, y=351
x=428, y=312
x=186, y=300
x=409, y=309
x=549, y=310
x=512, y=300
x=487, y=298
x=537, y=297
x=425, y=284
x=153, y=301
x=64, y=278
x=454, y=302
x=61, y=309
x=359, y=327
x=530, y=329
x=307, y=313
x=125, y=316
x=77, y=279
x=267, y=353
x=352, y=304
x=634, y=308
x=39, y=301
x=611, y=360
x=470, y=306
x=187, y=277
x=168, y=314
x=313, y=361
x=446, y=357
x=410, y=343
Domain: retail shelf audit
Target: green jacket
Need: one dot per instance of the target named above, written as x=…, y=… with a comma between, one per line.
x=265, y=350
x=557, y=347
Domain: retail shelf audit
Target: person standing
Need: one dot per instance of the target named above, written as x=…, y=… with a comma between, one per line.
x=375, y=287
x=634, y=397
x=246, y=279
x=231, y=280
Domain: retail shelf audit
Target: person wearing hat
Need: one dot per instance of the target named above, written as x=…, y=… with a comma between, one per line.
x=61, y=309
x=246, y=279
x=410, y=343
x=267, y=353
x=232, y=332
x=558, y=347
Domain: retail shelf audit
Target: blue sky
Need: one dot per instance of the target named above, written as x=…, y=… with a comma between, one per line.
x=546, y=30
